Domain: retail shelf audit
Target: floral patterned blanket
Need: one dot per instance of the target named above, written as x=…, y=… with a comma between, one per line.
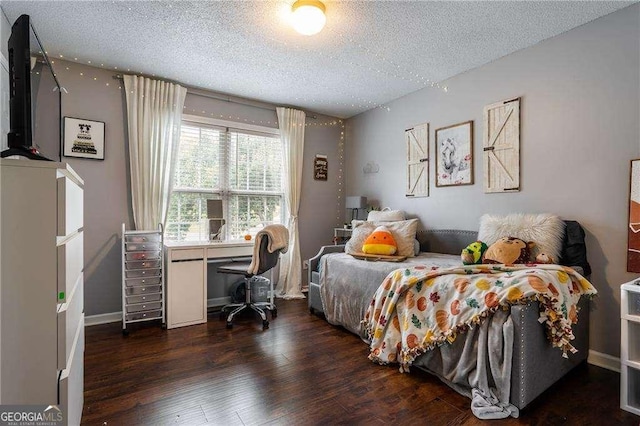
x=416, y=309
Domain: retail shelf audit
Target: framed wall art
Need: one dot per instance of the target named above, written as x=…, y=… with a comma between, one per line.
x=83, y=138
x=633, y=231
x=417, y=141
x=501, y=146
x=320, y=167
x=454, y=155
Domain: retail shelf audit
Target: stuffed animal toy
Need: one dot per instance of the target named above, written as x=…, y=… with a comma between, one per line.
x=380, y=241
x=472, y=254
x=508, y=250
x=544, y=258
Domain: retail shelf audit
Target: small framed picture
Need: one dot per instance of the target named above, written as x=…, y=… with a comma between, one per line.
x=320, y=167
x=83, y=138
x=454, y=155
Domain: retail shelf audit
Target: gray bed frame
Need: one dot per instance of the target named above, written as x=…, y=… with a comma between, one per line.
x=536, y=365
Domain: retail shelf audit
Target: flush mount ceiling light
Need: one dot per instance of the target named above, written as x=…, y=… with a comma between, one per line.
x=308, y=16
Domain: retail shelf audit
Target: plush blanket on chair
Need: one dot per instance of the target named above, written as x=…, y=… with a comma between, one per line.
x=417, y=309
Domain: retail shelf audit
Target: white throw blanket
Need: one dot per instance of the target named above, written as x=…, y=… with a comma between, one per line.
x=278, y=236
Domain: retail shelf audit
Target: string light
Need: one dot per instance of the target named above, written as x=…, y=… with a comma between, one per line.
x=356, y=101
x=339, y=209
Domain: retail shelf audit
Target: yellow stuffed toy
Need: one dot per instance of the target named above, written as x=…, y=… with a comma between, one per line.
x=380, y=241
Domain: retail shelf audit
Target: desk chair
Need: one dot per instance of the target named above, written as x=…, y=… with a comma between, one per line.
x=263, y=260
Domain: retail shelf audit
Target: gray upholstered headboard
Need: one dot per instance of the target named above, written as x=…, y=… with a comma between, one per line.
x=447, y=241
x=452, y=241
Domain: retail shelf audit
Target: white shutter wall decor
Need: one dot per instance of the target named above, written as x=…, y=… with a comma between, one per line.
x=501, y=146
x=417, y=139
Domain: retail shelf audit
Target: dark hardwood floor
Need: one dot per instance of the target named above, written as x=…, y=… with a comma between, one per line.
x=301, y=371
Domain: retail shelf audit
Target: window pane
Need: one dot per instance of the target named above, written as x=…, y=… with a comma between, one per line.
x=255, y=162
x=250, y=213
x=199, y=158
x=243, y=169
x=186, y=220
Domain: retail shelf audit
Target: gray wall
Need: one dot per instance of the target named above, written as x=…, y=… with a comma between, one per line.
x=107, y=199
x=579, y=129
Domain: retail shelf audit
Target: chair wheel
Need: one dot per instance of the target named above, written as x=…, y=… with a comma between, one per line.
x=164, y=326
x=274, y=313
x=229, y=325
x=265, y=324
x=125, y=332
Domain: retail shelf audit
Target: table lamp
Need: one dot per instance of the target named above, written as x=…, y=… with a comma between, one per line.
x=355, y=203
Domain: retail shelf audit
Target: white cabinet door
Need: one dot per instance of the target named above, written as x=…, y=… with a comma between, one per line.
x=186, y=293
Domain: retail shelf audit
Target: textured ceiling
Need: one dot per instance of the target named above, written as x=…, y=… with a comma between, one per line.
x=369, y=53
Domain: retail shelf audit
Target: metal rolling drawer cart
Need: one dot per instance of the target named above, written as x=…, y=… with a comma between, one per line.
x=143, y=292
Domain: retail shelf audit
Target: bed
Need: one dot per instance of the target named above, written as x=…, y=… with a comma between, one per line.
x=341, y=288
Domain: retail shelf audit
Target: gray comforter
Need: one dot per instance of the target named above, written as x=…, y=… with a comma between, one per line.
x=477, y=364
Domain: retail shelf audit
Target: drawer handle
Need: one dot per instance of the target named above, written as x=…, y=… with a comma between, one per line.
x=144, y=315
x=143, y=256
x=144, y=272
x=143, y=281
x=144, y=289
x=144, y=263
x=144, y=306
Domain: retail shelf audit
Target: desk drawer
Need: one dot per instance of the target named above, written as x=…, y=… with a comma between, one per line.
x=132, y=291
x=240, y=251
x=187, y=254
x=142, y=281
x=143, y=264
x=143, y=255
x=144, y=299
x=144, y=307
x=141, y=273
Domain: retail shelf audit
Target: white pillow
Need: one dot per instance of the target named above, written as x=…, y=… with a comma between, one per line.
x=385, y=216
x=546, y=230
x=404, y=232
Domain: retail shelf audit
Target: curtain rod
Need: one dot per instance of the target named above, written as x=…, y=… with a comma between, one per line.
x=226, y=98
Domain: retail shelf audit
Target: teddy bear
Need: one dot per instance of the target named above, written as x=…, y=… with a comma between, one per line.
x=472, y=254
x=508, y=250
x=544, y=258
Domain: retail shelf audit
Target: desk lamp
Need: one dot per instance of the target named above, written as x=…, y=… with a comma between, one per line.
x=354, y=203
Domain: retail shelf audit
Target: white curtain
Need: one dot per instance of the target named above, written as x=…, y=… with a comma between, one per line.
x=154, y=113
x=291, y=124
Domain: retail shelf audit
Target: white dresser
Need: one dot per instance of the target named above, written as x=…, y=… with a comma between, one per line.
x=41, y=286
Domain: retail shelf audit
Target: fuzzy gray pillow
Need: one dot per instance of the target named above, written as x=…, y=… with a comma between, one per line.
x=546, y=230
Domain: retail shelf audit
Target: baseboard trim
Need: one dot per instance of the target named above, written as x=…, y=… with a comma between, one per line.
x=117, y=316
x=102, y=319
x=218, y=301
x=603, y=360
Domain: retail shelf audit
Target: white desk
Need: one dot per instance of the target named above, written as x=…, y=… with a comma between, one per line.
x=186, y=272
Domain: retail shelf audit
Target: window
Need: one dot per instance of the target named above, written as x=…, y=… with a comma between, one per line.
x=243, y=168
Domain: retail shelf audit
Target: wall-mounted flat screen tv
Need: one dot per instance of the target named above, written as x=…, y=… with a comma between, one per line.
x=34, y=97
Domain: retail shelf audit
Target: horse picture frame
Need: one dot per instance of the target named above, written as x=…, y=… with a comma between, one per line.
x=454, y=155
x=633, y=230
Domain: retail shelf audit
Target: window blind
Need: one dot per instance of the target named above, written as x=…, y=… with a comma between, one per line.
x=243, y=168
